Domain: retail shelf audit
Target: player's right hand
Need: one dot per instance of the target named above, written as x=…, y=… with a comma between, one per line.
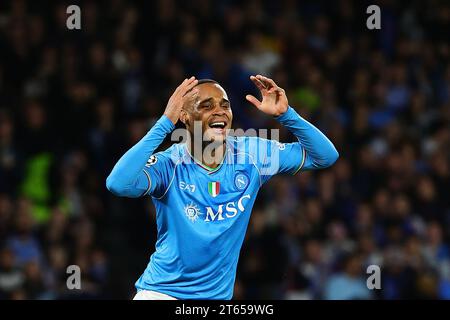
x=176, y=101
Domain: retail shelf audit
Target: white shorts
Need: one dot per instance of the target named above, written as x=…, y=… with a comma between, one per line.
x=152, y=295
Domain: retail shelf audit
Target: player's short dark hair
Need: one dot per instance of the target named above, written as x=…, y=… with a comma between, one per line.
x=206, y=81
x=201, y=81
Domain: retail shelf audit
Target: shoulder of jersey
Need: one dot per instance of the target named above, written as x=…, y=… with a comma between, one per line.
x=249, y=143
x=172, y=154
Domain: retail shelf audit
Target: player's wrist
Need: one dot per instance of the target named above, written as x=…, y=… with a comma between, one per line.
x=280, y=112
x=166, y=122
x=288, y=112
x=171, y=116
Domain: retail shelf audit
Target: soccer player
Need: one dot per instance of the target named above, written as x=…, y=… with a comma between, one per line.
x=204, y=199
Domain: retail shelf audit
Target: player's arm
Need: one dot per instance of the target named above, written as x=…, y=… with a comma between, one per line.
x=314, y=149
x=128, y=177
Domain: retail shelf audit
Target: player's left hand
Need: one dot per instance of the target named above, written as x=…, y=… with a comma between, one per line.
x=274, y=101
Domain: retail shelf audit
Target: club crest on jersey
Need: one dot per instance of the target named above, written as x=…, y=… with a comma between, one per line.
x=214, y=189
x=241, y=181
x=192, y=212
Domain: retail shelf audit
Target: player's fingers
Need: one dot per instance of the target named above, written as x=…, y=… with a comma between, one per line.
x=276, y=90
x=253, y=100
x=190, y=98
x=184, y=87
x=269, y=81
x=261, y=86
x=178, y=89
x=189, y=81
x=265, y=83
x=189, y=85
x=191, y=95
x=185, y=83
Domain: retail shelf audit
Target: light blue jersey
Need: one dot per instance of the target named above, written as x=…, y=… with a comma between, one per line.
x=202, y=214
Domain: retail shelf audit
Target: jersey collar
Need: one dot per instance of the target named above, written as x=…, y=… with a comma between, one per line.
x=208, y=169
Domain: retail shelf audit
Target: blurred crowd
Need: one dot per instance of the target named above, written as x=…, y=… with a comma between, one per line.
x=73, y=101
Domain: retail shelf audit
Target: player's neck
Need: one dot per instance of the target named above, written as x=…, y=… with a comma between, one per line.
x=208, y=154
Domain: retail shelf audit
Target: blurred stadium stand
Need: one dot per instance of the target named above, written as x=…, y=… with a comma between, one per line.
x=71, y=102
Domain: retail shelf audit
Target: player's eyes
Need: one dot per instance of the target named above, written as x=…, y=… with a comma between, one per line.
x=209, y=106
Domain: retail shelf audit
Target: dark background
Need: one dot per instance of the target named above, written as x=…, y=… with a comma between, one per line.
x=73, y=101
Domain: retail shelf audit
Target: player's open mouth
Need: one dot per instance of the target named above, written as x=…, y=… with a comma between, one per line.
x=218, y=127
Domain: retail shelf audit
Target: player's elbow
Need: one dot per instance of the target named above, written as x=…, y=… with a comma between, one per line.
x=328, y=159
x=114, y=185
x=331, y=158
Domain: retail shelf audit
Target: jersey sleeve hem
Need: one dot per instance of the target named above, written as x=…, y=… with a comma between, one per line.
x=149, y=184
x=302, y=163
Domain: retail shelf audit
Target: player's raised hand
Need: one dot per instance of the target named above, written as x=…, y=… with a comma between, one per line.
x=178, y=98
x=274, y=101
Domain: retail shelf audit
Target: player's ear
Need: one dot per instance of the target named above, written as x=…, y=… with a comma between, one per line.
x=184, y=117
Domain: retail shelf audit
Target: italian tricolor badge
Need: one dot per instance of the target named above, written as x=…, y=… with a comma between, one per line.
x=213, y=188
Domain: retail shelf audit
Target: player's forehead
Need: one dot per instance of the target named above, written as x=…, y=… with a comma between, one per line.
x=211, y=90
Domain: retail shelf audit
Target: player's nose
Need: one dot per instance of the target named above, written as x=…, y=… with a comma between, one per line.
x=219, y=110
